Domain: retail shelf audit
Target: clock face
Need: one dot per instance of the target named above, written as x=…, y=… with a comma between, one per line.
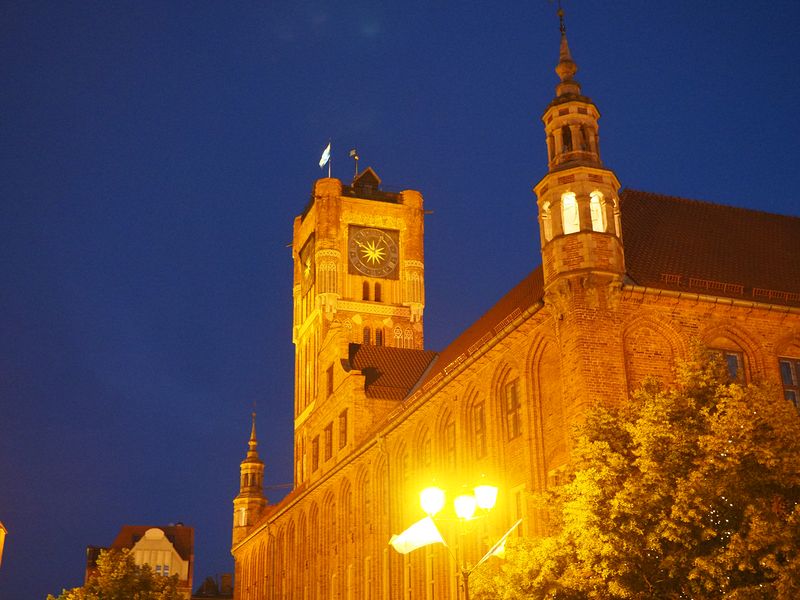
x=373, y=252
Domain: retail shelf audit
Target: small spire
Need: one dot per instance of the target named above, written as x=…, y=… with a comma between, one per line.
x=253, y=442
x=566, y=67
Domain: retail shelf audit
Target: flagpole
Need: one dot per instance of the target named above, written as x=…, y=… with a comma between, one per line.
x=330, y=160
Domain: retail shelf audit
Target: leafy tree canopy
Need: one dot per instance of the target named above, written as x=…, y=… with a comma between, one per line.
x=692, y=492
x=120, y=578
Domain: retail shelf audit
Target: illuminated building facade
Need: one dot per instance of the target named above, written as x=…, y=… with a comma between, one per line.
x=169, y=550
x=627, y=281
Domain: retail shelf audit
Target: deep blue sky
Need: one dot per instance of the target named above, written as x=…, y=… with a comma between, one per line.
x=154, y=154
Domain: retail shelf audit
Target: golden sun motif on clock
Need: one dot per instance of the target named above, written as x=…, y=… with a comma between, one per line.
x=373, y=252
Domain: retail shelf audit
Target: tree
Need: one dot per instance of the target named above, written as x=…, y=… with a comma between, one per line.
x=120, y=578
x=692, y=492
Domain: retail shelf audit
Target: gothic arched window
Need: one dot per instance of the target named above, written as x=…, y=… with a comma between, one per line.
x=365, y=290
x=377, y=292
x=598, y=209
x=570, y=220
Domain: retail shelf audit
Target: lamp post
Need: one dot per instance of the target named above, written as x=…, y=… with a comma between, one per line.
x=432, y=501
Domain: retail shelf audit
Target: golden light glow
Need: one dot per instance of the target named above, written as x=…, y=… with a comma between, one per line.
x=431, y=500
x=465, y=506
x=486, y=496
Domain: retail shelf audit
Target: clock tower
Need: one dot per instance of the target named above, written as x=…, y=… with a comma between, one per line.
x=358, y=279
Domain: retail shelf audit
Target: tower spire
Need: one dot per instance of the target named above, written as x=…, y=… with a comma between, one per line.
x=250, y=502
x=566, y=67
x=252, y=444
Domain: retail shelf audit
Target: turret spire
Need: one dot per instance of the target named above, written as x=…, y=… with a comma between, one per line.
x=566, y=67
x=252, y=444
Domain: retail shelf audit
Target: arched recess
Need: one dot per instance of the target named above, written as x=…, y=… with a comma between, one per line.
x=445, y=447
x=330, y=545
x=477, y=432
x=398, y=486
x=314, y=552
x=302, y=572
x=423, y=453
x=291, y=563
x=346, y=536
x=278, y=581
x=729, y=337
x=788, y=344
x=551, y=429
x=651, y=348
x=508, y=392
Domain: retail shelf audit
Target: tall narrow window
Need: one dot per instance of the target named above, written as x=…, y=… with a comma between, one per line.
x=329, y=441
x=512, y=406
x=365, y=290
x=790, y=377
x=450, y=446
x=569, y=213
x=377, y=292
x=597, y=207
x=566, y=138
x=329, y=379
x=342, y=429
x=379, y=337
x=479, y=429
x=547, y=222
x=315, y=453
x=367, y=335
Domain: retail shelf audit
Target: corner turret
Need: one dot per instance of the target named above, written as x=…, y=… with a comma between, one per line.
x=250, y=502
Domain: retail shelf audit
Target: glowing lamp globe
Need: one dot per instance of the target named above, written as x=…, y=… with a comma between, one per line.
x=431, y=500
x=465, y=506
x=486, y=496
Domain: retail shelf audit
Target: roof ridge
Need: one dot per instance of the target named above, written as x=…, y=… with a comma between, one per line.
x=707, y=203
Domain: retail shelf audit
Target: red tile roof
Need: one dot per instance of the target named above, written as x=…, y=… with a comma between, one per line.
x=390, y=372
x=670, y=243
x=679, y=244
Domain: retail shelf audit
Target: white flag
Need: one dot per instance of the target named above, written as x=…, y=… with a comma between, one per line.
x=420, y=534
x=326, y=156
x=499, y=549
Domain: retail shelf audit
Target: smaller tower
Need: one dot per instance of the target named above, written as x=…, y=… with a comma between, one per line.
x=578, y=197
x=250, y=502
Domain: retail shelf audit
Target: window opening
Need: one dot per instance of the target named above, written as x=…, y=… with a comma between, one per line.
x=479, y=429
x=790, y=377
x=342, y=428
x=569, y=213
x=566, y=138
x=597, y=207
x=328, y=441
x=513, y=421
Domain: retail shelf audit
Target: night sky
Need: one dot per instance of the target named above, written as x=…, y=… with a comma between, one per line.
x=154, y=154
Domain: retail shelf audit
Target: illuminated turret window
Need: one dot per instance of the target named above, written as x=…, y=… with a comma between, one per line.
x=547, y=222
x=597, y=206
x=570, y=220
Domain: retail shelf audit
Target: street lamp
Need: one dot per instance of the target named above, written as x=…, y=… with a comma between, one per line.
x=432, y=501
